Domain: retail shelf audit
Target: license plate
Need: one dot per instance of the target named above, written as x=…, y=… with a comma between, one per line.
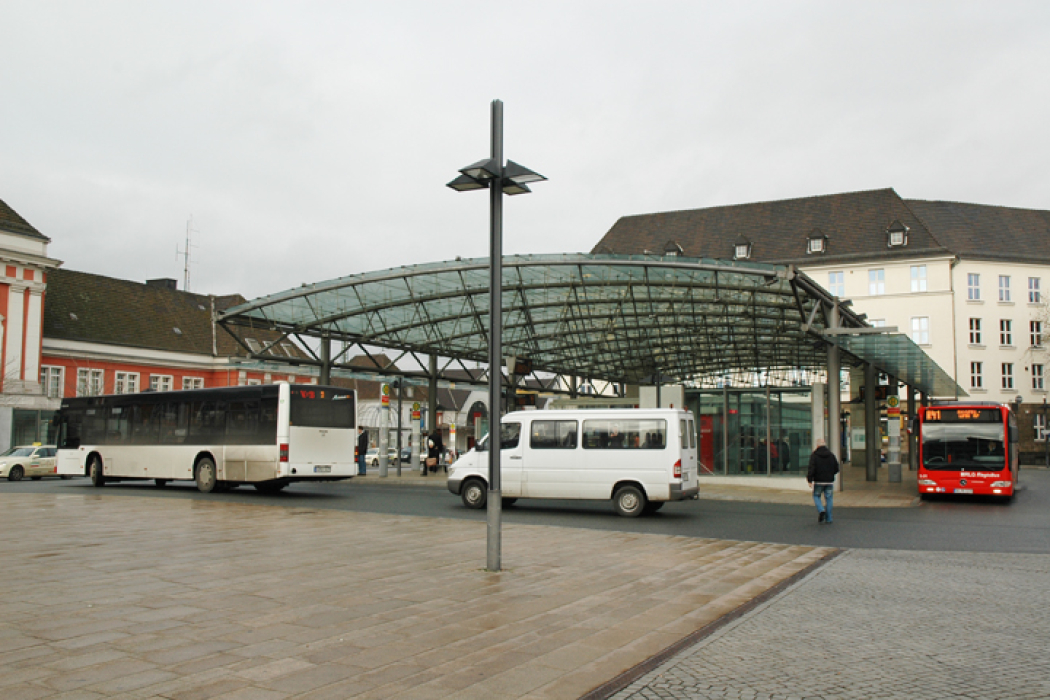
x=963, y=491
x=322, y=470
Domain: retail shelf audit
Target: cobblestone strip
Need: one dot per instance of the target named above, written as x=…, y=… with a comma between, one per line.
x=879, y=624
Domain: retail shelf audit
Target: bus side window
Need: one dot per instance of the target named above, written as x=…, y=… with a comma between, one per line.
x=206, y=422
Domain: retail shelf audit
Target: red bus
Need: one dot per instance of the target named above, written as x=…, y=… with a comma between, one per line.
x=968, y=449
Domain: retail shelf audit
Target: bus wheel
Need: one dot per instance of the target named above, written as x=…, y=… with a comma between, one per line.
x=474, y=494
x=96, y=472
x=629, y=501
x=15, y=474
x=161, y=483
x=206, y=480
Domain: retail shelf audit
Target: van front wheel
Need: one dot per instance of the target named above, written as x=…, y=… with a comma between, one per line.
x=474, y=494
x=629, y=501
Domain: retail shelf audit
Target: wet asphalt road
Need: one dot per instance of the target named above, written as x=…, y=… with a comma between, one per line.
x=945, y=524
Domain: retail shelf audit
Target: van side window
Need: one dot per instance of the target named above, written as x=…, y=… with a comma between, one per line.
x=508, y=435
x=553, y=435
x=692, y=435
x=625, y=434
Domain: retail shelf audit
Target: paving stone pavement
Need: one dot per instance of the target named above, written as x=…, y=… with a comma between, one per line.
x=139, y=598
x=879, y=624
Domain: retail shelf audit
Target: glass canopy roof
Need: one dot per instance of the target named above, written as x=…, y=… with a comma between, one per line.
x=612, y=317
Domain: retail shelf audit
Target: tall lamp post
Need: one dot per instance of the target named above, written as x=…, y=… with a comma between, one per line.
x=499, y=179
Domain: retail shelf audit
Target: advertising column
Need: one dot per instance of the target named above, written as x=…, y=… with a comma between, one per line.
x=417, y=444
x=384, y=428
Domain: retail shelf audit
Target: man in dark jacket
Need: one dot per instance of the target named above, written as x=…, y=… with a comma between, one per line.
x=821, y=476
x=362, y=448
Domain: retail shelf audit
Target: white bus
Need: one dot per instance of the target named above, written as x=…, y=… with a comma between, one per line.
x=267, y=435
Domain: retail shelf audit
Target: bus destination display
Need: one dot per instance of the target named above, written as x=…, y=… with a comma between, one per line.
x=963, y=415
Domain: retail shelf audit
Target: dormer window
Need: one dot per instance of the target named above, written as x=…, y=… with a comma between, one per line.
x=672, y=249
x=816, y=243
x=741, y=249
x=897, y=234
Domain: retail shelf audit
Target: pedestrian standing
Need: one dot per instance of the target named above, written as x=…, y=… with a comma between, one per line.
x=362, y=448
x=821, y=476
x=434, y=450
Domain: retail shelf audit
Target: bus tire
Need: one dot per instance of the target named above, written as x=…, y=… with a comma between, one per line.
x=474, y=494
x=629, y=501
x=16, y=473
x=206, y=476
x=96, y=472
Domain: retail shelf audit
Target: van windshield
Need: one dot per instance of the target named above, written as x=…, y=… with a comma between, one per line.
x=509, y=436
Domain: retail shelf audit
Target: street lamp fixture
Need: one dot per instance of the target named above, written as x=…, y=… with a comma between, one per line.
x=510, y=179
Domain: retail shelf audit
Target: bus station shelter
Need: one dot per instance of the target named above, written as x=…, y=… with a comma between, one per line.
x=617, y=320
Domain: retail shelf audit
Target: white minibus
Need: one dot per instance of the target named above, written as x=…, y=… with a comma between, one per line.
x=638, y=458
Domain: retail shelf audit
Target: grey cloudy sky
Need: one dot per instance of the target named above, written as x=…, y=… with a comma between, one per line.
x=312, y=140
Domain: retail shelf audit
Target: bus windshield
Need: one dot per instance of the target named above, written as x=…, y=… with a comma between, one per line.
x=960, y=446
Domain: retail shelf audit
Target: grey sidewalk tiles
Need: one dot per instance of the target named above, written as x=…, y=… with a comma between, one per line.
x=140, y=598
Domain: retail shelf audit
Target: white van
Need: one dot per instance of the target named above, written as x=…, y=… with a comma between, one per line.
x=639, y=458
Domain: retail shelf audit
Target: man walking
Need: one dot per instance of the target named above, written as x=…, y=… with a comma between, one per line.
x=362, y=448
x=821, y=476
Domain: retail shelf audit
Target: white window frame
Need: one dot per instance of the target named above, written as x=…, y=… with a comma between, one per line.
x=975, y=331
x=837, y=283
x=53, y=381
x=1035, y=296
x=976, y=375
x=125, y=382
x=815, y=245
x=1035, y=333
x=1039, y=427
x=741, y=251
x=876, y=282
x=1008, y=375
x=160, y=382
x=1037, y=377
x=192, y=383
x=90, y=381
x=918, y=278
x=1004, y=287
x=973, y=286
x=920, y=330
x=1006, y=332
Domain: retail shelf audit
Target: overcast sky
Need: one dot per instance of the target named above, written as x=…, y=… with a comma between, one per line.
x=312, y=140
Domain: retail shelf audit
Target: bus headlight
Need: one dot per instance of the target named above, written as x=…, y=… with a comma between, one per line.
x=927, y=482
x=1001, y=484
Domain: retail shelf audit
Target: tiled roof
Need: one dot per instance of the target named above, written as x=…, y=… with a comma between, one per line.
x=91, y=308
x=11, y=222
x=980, y=231
x=854, y=224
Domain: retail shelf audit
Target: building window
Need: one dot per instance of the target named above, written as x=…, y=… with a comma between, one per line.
x=1006, y=334
x=289, y=349
x=126, y=383
x=920, y=330
x=976, y=379
x=52, y=381
x=1034, y=296
x=876, y=282
x=973, y=287
x=90, y=381
x=837, y=283
x=742, y=251
x=918, y=278
x=192, y=383
x=877, y=322
x=1035, y=329
x=1008, y=375
x=975, y=331
x=1039, y=426
x=253, y=345
x=815, y=244
x=1037, y=377
x=1004, y=287
x=897, y=234
x=160, y=382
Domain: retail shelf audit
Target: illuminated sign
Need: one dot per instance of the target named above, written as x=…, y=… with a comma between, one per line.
x=963, y=415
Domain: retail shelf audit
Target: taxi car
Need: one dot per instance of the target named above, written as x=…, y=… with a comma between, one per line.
x=34, y=461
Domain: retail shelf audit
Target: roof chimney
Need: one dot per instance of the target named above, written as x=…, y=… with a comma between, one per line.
x=163, y=283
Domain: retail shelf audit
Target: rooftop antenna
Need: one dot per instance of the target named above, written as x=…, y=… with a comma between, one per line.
x=185, y=255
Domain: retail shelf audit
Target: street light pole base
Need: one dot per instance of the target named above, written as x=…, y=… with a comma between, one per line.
x=495, y=510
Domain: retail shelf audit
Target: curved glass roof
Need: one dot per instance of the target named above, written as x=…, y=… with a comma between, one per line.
x=614, y=317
